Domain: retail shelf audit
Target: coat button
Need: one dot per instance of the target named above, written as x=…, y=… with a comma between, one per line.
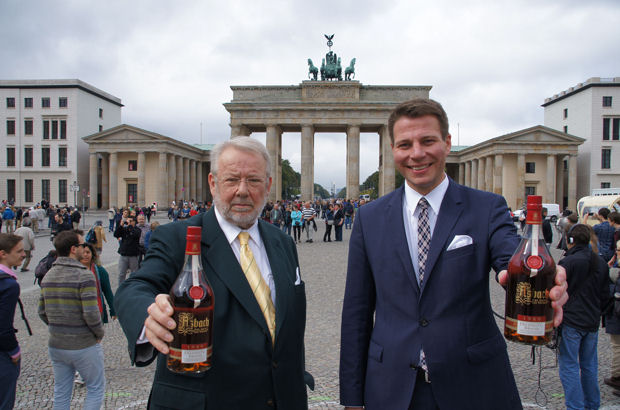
x=423, y=322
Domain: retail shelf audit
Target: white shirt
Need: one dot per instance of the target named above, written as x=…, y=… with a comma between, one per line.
x=411, y=214
x=256, y=246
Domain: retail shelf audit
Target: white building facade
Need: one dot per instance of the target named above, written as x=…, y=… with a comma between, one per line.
x=591, y=110
x=42, y=154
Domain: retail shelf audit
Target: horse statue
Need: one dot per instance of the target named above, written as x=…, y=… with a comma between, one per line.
x=312, y=70
x=349, y=72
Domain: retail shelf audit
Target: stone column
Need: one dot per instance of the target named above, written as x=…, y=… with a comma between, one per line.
x=474, y=173
x=199, y=187
x=551, y=181
x=105, y=181
x=141, y=179
x=561, y=180
x=572, y=182
x=462, y=173
x=387, y=171
x=239, y=131
x=353, y=162
x=172, y=173
x=114, y=180
x=488, y=174
x=498, y=170
x=92, y=182
x=162, y=194
x=481, y=165
x=520, y=180
x=192, y=179
x=186, y=179
x=179, y=178
x=273, y=143
x=307, y=162
x=467, y=181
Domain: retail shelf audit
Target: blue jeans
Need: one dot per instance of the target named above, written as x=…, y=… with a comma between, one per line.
x=347, y=222
x=89, y=362
x=579, y=368
x=9, y=372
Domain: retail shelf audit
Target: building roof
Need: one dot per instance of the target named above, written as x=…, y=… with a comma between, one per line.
x=590, y=82
x=68, y=83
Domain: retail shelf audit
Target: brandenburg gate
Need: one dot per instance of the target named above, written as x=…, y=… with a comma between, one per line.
x=320, y=106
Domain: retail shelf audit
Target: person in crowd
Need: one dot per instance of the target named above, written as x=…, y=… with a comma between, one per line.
x=129, y=247
x=546, y=228
x=144, y=229
x=258, y=349
x=19, y=214
x=147, y=238
x=8, y=219
x=604, y=233
x=587, y=275
x=339, y=219
x=90, y=259
x=308, y=214
x=59, y=225
x=415, y=334
x=100, y=236
x=297, y=221
x=51, y=216
x=329, y=222
x=111, y=217
x=11, y=254
x=68, y=305
x=347, y=208
x=614, y=221
x=76, y=217
x=25, y=232
x=286, y=225
x=612, y=325
x=276, y=215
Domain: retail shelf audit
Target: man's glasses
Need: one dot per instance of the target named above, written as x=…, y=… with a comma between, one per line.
x=82, y=245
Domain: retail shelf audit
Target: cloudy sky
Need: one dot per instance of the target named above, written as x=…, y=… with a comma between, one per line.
x=490, y=63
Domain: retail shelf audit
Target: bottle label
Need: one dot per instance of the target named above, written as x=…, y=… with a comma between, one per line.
x=191, y=353
x=190, y=324
x=529, y=325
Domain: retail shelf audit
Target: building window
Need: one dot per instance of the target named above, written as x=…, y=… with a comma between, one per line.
x=45, y=156
x=565, y=113
x=62, y=157
x=10, y=127
x=605, y=185
x=530, y=190
x=615, y=133
x=566, y=129
x=607, y=101
x=10, y=102
x=530, y=168
x=133, y=165
x=28, y=102
x=45, y=102
x=606, y=123
x=54, y=129
x=10, y=190
x=45, y=189
x=62, y=102
x=132, y=193
x=63, y=129
x=100, y=127
x=606, y=158
x=100, y=112
x=46, y=130
x=10, y=156
x=28, y=190
x=28, y=127
x=62, y=190
x=28, y=156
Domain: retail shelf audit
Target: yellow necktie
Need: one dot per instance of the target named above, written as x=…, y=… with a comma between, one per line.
x=257, y=283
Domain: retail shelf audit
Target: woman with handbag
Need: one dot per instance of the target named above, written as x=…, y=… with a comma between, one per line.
x=329, y=221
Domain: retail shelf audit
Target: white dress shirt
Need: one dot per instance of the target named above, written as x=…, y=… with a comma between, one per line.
x=411, y=214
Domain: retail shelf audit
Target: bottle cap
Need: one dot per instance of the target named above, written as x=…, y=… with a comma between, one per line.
x=192, y=245
x=534, y=209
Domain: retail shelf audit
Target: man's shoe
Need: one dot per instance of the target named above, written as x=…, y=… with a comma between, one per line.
x=613, y=382
x=310, y=240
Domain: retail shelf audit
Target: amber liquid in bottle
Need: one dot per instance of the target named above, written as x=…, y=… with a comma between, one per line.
x=192, y=300
x=531, y=275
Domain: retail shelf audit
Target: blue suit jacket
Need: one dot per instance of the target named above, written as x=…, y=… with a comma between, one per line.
x=387, y=318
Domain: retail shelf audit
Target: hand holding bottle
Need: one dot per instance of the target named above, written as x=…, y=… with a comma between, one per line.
x=159, y=323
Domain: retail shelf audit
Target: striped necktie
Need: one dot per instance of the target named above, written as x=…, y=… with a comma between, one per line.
x=424, y=244
x=257, y=283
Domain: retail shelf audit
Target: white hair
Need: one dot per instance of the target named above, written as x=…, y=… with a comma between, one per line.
x=246, y=144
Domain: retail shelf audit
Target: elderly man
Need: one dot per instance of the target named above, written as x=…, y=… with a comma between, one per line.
x=258, y=351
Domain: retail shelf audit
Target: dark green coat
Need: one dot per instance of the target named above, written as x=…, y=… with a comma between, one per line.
x=247, y=372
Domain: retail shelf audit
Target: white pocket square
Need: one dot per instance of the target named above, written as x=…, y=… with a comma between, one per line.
x=297, y=277
x=459, y=241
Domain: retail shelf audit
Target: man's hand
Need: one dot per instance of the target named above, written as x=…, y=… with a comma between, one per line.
x=557, y=294
x=159, y=322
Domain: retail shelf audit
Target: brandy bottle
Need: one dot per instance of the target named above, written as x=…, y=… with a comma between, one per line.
x=192, y=300
x=531, y=275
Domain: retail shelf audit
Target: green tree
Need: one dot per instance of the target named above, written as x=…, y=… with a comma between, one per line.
x=291, y=180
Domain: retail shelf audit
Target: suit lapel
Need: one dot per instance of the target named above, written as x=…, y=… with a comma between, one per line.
x=222, y=260
x=449, y=213
x=278, y=269
x=396, y=238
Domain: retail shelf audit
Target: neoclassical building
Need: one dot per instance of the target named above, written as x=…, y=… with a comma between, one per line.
x=129, y=165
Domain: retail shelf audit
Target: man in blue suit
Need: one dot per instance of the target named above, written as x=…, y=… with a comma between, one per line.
x=417, y=326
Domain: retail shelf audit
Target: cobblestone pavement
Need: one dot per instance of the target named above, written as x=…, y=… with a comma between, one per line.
x=323, y=268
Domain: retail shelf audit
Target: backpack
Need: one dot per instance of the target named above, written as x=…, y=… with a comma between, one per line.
x=21, y=305
x=90, y=236
x=43, y=266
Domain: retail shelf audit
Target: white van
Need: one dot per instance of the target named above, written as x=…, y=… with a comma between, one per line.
x=553, y=211
x=591, y=204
